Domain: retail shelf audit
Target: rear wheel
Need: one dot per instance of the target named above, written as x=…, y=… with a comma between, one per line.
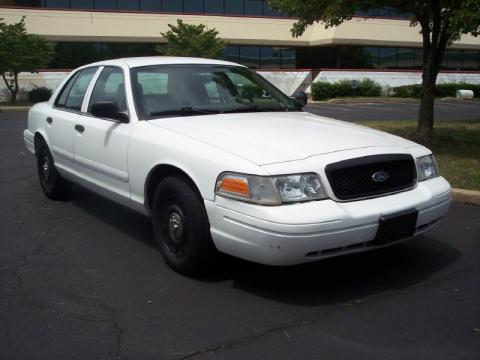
x=53, y=185
x=182, y=232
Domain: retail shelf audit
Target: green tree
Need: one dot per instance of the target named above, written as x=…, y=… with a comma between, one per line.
x=192, y=40
x=21, y=52
x=442, y=22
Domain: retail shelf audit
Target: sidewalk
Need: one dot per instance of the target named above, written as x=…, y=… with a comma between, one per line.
x=19, y=108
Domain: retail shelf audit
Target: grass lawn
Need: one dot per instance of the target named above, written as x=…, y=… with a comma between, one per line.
x=456, y=146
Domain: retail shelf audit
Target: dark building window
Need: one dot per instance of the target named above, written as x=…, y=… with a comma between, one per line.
x=268, y=11
x=231, y=53
x=353, y=57
x=387, y=11
x=470, y=60
x=70, y=55
x=372, y=55
x=418, y=60
x=172, y=6
x=60, y=4
x=454, y=60
x=81, y=4
x=270, y=57
x=214, y=7
x=227, y=7
x=193, y=6
x=287, y=58
x=128, y=5
x=388, y=58
x=254, y=7
x=234, y=7
x=316, y=57
x=28, y=3
x=264, y=57
x=151, y=5
x=106, y=4
x=250, y=56
x=405, y=58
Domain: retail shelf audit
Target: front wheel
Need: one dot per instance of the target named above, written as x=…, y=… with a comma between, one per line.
x=182, y=232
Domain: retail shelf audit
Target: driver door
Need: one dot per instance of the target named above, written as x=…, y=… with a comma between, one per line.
x=101, y=144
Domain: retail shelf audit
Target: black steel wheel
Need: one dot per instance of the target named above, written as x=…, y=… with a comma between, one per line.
x=53, y=185
x=182, y=232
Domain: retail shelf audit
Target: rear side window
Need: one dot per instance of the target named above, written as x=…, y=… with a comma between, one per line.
x=74, y=91
x=110, y=87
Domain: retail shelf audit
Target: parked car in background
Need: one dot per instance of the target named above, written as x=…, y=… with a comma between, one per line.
x=224, y=161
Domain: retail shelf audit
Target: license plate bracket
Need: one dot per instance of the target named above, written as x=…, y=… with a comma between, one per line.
x=396, y=226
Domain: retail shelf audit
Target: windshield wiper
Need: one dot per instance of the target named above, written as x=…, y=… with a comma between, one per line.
x=256, y=108
x=185, y=111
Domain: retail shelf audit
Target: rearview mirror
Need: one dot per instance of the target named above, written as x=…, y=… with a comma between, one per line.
x=108, y=110
x=300, y=97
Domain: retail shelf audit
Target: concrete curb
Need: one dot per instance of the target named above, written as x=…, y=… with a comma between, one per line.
x=466, y=196
x=15, y=108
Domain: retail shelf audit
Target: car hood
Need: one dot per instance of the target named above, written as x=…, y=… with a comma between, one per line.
x=273, y=137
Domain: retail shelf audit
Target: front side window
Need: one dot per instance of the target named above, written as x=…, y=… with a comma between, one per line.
x=74, y=91
x=176, y=90
x=110, y=87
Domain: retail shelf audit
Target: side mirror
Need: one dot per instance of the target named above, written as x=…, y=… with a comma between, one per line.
x=108, y=110
x=300, y=97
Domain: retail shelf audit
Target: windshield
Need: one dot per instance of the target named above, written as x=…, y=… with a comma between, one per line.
x=189, y=89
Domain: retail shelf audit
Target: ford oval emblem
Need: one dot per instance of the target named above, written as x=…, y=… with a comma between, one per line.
x=380, y=176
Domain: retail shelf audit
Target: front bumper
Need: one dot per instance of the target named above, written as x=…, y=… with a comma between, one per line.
x=303, y=232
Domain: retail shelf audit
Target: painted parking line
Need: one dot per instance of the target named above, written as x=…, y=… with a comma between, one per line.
x=329, y=108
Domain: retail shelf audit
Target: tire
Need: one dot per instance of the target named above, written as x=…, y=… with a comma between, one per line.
x=53, y=185
x=182, y=231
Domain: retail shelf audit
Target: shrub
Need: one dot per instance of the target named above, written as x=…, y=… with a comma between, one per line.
x=405, y=91
x=368, y=87
x=450, y=90
x=343, y=88
x=39, y=94
x=441, y=90
x=322, y=90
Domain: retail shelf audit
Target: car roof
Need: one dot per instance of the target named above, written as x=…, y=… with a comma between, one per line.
x=162, y=60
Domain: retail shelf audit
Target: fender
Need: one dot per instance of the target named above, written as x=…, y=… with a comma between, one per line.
x=160, y=171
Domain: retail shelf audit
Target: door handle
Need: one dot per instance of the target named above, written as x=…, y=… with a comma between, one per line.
x=80, y=128
x=49, y=120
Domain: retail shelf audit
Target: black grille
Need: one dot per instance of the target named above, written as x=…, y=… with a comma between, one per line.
x=354, y=178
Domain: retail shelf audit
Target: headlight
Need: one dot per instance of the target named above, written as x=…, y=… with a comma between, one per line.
x=270, y=190
x=426, y=167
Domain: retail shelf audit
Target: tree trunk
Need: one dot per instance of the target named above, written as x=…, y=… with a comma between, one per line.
x=426, y=111
x=12, y=85
x=13, y=97
x=433, y=52
x=14, y=91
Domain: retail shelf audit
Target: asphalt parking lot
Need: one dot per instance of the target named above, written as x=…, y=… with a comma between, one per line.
x=445, y=110
x=80, y=279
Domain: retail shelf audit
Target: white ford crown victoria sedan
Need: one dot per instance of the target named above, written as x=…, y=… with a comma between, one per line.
x=222, y=160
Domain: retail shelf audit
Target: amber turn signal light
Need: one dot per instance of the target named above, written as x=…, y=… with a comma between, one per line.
x=235, y=186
